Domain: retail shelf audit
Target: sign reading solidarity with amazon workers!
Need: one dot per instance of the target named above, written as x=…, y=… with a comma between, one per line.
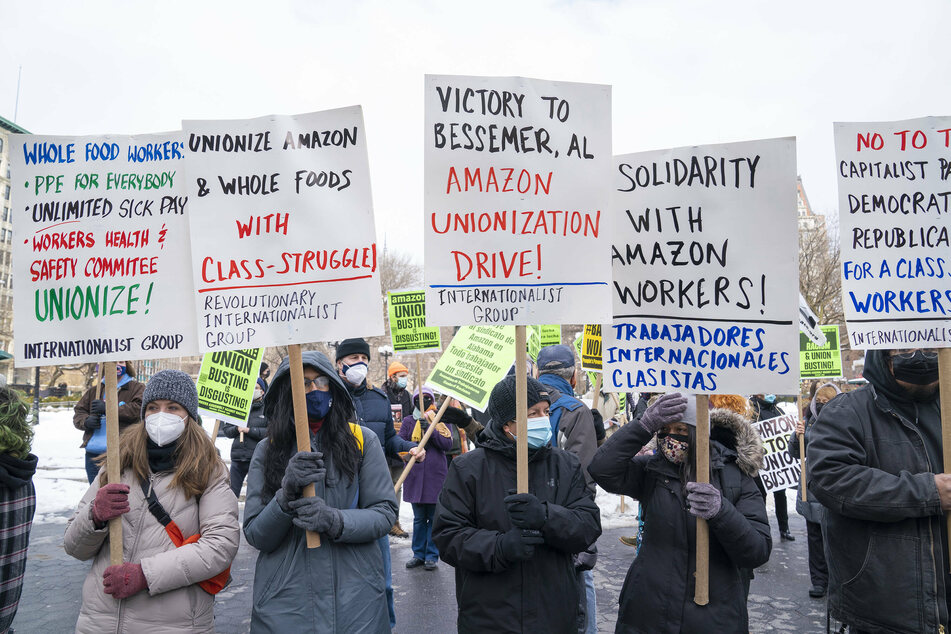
x=705, y=271
x=895, y=219
x=100, y=259
x=283, y=245
x=517, y=182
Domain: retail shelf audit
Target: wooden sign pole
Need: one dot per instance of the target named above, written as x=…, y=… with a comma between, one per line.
x=521, y=411
x=300, y=422
x=596, y=401
x=702, y=589
x=422, y=444
x=944, y=386
x=214, y=430
x=802, y=448
x=113, y=468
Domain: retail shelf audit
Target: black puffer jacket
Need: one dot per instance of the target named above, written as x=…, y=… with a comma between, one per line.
x=372, y=407
x=540, y=595
x=873, y=455
x=257, y=430
x=658, y=593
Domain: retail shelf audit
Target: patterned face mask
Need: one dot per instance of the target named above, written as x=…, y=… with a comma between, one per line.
x=673, y=446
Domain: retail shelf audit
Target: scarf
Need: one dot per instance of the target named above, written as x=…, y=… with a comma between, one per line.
x=160, y=458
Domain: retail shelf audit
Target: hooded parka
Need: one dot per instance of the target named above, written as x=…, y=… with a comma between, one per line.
x=493, y=594
x=657, y=596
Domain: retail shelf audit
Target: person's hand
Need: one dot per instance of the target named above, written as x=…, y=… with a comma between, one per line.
x=666, y=410
x=800, y=427
x=124, y=580
x=243, y=430
x=93, y=422
x=97, y=407
x=943, y=482
x=518, y=544
x=304, y=467
x=526, y=511
x=110, y=502
x=703, y=499
x=456, y=416
x=419, y=452
x=313, y=514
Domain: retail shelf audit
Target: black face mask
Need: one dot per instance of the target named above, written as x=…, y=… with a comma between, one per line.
x=918, y=370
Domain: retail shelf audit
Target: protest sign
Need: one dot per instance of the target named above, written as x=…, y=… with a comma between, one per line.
x=99, y=255
x=226, y=383
x=705, y=270
x=533, y=341
x=550, y=335
x=408, y=331
x=780, y=470
x=820, y=362
x=283, y=242
x=809, y=323
x=517, y=187
x=591, y=348
x=475, y=360
x=894, y=206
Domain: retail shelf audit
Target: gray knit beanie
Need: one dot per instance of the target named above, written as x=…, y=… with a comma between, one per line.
x=172, y=385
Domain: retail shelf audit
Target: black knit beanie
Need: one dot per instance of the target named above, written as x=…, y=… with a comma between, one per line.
x=352, y=346
x=502, y=407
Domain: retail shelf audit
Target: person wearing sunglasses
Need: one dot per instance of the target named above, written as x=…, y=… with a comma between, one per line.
x=876, y=465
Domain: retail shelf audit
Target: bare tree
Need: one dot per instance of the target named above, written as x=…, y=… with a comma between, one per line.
x=819, y=271
x=397, y=270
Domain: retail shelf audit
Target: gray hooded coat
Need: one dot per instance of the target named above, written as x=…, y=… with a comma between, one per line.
x=338, y=587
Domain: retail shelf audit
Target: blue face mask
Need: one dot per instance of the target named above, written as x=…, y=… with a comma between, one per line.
x=770, y=398
x=539, y=432
x=318, y=403
x=401, y=382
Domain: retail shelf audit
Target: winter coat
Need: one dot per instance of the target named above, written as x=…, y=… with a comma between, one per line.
x=173, y=602
x=494, y=595
x=811, y=509
x=425, y=480
x=657, y=596
x=399, y=396
x=575, y=425
x=873, y=455
x=18, y=504
x=257, y=430
x=373, y=410
x=763, y=410
x=130, y=395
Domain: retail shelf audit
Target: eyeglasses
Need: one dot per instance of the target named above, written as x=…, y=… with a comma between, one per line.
x=321, y=383
x=908, y=353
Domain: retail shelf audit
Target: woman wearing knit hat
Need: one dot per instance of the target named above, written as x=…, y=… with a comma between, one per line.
x=169, y=470
x=513, y=552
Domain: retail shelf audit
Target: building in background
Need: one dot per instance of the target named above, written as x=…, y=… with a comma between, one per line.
x=7, y=130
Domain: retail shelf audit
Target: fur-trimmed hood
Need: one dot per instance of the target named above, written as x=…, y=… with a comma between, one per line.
x=735, y=432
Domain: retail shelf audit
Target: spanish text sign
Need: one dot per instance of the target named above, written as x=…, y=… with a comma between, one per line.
x=475, y=360
x=283, y=242
x=408, y=330
x=100, y=257
x=780, y=470
x=226, y=384
x=517, y=188
x=705, y=270
x=895, y=216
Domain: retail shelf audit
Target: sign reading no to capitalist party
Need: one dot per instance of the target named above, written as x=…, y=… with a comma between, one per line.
x=99, y=257
x=780, y=470
x=475, y=360
x=226, y=384
x=895, y=215
x=283, y=244
x=408, y=330
x=705, y=270
x=517, y=189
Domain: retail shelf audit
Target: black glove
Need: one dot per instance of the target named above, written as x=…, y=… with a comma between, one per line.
x=313, y=514
x=518, y=544
x=456, y=416
x=303, y=468
x=93, y=422
x=526, y=511
x=97, y=407
x=668, y=409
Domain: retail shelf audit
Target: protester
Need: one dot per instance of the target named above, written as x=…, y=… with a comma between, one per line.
x=397, y=392
x=513, y=553
x=811, y=509
x=89, y=414
x=17, y=500
x=658, y=593
x=764, y=407
x=168, y=468
x=422, y=485
x=876, y=465
x=263, y=373
x=340, y=586
x=372, y=408
x=254, y=430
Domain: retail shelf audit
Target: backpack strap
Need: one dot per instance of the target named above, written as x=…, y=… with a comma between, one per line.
x=155, y=507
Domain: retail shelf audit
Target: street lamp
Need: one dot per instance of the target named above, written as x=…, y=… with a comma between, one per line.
x=386, y=352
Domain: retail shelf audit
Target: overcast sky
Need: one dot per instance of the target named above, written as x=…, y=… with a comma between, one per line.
x=683, y=73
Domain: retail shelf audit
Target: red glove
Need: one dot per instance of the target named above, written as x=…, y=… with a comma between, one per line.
x=124, y=580
x=111, y=501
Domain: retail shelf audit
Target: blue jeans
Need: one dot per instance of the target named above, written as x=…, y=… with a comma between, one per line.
x=423, y=546
x=384, y=544
x=91, y=469
x=591, y=612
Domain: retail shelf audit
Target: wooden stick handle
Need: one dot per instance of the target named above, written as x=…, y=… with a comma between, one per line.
x=214, y=430
x=240, y=436
x=702, y=589
x=596, y=402
x=422, y=443
x=944, y=386
x=521, y=412
x=301, y=427
x=113, y=468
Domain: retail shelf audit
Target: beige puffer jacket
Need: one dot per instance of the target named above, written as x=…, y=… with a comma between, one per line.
x=173, y=601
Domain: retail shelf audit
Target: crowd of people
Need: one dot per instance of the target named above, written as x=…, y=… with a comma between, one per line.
x=876, y=496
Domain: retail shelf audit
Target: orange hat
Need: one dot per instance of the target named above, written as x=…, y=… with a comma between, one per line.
x=395, y=367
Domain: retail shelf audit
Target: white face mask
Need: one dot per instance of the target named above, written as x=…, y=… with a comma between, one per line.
x=258, y=393
x=164, y=428
x=356, y=373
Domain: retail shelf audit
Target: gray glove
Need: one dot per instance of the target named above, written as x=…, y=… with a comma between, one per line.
x=518, y=544
x=303, y=468
x=668, y=409
x=313, y=514
x=703, y=499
